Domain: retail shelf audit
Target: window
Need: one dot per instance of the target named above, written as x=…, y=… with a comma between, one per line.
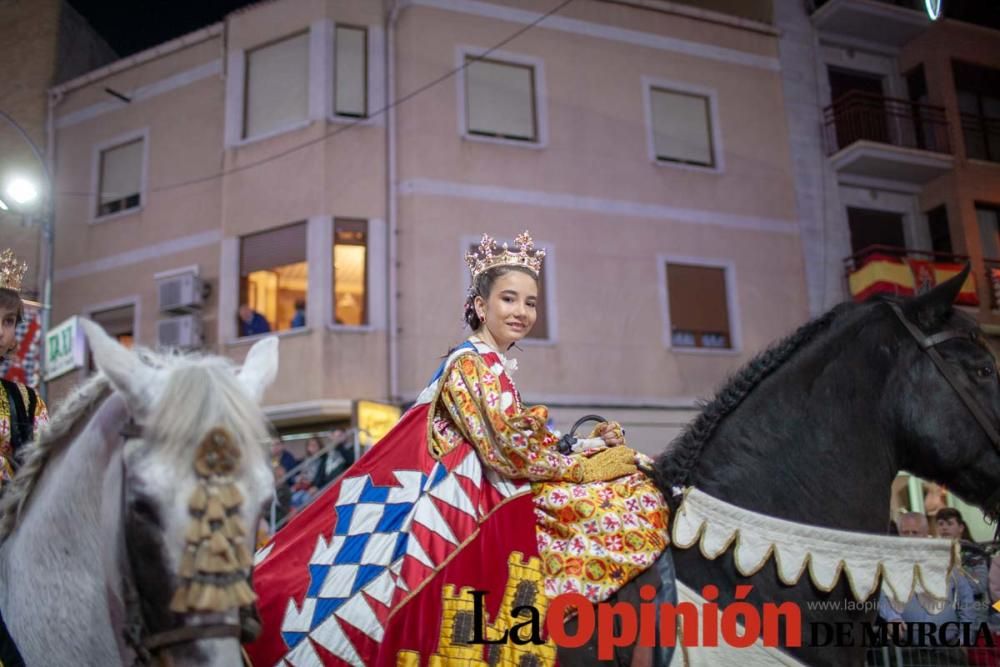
x=874, y=228
x=350, y=76
x=277, y=86
x=978, y=90
x=988, y=218
x=350, y=272
x=682, y=127
x=500, y=100
x=937, y=224
x=542, y=306
x=698, y=307
x=274, y=278
x=120, y=173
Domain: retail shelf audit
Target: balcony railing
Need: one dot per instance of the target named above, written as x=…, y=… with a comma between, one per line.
x=861, y=116
x=982, y=137
x=898, y=271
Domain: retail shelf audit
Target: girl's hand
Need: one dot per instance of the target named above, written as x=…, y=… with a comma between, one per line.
x=611, y=433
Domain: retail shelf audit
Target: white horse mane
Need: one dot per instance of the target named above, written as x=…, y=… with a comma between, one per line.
x=50, y=441
x=201, y=393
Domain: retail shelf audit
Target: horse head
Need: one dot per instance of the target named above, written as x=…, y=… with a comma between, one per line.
x=196, y=477
x=945, y=407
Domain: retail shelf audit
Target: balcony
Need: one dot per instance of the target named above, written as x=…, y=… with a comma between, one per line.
x=904, y=272
x=887, y=138
x=887, y=23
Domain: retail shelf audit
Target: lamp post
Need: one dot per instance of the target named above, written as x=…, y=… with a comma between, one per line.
x=22, y=191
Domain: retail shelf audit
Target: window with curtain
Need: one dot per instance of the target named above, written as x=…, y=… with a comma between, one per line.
x=682, y=127
x=277, y=86
x=699, y=306
x=350, y=72
x=500, y=99
x=274, y=275
x=120, y=182
x=350, y=272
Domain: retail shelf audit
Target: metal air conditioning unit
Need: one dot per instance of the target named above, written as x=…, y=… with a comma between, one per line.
x=181, y=293
x=182, y=332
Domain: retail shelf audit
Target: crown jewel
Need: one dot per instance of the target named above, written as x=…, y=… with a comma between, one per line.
x=11, y=271
x=488, y=255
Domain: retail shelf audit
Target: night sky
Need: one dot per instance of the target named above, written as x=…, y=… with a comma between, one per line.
x=133, y=25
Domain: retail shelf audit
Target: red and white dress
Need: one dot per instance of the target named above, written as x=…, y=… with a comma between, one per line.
x=469, y=477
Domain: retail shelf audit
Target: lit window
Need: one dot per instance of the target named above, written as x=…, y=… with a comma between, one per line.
x=350, y=272
x=274, y=279
x=277, y=86
x=699, y=307
x=682, y=129
x=120, y=178
x=350, y=83
x=500, y=99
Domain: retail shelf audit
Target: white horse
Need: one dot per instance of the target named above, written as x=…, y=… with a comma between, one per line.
x=131, y=512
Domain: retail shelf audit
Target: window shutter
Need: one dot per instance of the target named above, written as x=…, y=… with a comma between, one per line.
x=121, y=172
x=500, y=99
x=681, y=127
x=277, y=85
x=350, y=71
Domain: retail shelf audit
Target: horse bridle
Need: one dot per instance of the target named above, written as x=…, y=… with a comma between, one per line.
x=144, y=644
x=928, y=344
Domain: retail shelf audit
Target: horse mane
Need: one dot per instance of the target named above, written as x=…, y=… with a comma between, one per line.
x=51, y=440
x=674, y=466
x=200, y=393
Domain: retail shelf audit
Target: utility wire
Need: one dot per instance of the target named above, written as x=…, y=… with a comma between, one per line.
x=360, y=121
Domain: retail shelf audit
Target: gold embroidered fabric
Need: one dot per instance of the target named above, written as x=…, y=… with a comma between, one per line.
x=6, y=449
x=599, y=523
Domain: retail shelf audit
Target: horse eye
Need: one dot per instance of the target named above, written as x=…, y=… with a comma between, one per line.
x=985, y=371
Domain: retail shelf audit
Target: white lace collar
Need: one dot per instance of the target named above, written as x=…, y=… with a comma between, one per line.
x=509, y=365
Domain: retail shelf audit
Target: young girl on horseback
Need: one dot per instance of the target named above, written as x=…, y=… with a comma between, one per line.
x=22, y=411
x=470, y=490
x=615, y=524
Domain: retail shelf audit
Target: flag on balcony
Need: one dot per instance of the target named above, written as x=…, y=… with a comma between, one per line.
x=900, y=276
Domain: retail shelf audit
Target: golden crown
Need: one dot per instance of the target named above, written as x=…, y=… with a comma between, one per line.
x=488, y=255
x=11, y=271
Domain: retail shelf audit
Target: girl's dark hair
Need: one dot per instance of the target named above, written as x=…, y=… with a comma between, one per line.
x=482, y=285
x=12, y=300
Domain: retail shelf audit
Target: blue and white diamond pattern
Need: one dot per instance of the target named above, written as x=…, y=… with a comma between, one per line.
x=366, y=551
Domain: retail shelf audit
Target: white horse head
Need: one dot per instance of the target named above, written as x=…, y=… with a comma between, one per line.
x=177, y=506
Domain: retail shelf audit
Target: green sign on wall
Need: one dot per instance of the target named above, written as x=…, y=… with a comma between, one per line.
x=64, y=348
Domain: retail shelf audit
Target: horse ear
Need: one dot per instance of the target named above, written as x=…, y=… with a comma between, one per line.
x=930, y=308
x=260, y=367
x=134, y=380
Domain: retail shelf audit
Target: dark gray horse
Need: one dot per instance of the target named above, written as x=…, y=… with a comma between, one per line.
x=815, y=429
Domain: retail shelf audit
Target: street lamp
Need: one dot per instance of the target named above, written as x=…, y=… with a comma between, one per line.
x=22, y=191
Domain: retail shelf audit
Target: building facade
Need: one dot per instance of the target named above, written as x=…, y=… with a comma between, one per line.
x=329, y=165
x=895, y=136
